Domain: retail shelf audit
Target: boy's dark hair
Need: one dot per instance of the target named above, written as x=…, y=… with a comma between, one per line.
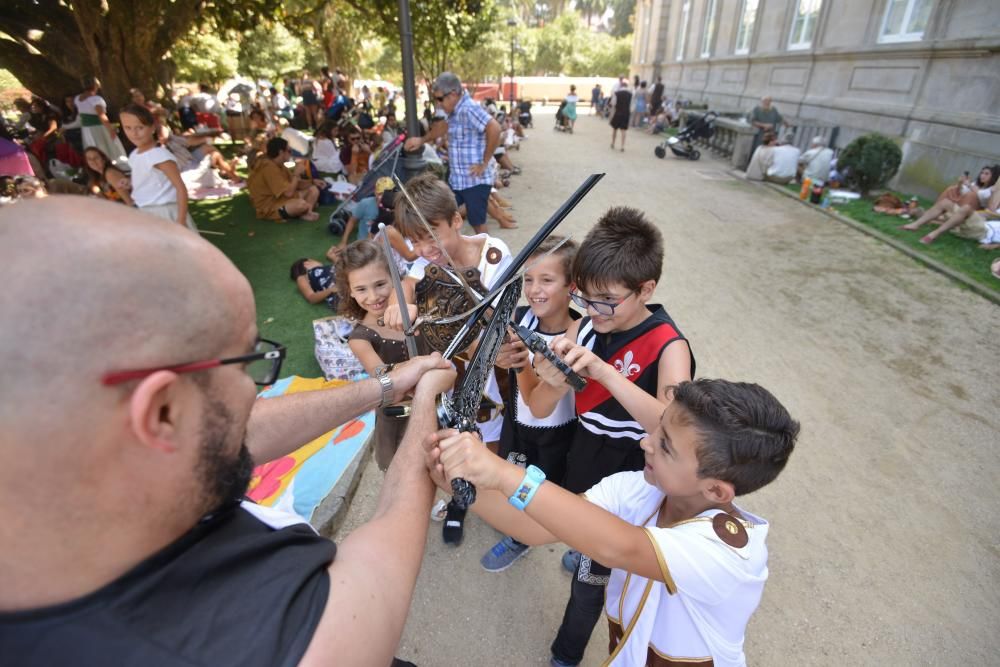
x=144, y=115
x=433, y=198
x=355, y=256
x=299, y=268
x=566, y=252
x=623, y=247
x=275, y=146
x=746, y=434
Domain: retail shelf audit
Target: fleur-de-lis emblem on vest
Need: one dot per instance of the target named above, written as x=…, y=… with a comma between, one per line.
x=626, y=367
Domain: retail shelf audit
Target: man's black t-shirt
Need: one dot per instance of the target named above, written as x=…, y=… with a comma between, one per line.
x=246, y=586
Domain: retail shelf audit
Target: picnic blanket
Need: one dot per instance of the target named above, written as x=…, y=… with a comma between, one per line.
x=301, y=480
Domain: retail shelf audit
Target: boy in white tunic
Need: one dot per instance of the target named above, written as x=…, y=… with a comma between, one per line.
x=689, y=566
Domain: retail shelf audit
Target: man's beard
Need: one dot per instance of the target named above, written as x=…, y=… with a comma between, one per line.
x=224, y=477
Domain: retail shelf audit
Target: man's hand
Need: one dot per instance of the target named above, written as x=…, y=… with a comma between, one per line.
x=463, y=455
x=394, y=319
x=477, y=169
x=432, y=372
x=413, y=143
x=513, y=354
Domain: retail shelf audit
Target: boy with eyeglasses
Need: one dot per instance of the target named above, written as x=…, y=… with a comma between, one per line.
x=615, y=272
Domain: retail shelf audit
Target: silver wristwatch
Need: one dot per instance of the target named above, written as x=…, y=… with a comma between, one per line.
x=382, y=375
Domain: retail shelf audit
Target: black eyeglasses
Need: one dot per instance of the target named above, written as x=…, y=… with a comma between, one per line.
x=440, y=98
x=263, y=365
x=600, y=307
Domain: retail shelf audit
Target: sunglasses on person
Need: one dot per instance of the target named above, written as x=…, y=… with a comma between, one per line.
x=605, y=308
x=263, y=365
x=440, y=98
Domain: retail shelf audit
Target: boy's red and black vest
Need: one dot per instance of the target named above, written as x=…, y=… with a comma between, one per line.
x=607, y=437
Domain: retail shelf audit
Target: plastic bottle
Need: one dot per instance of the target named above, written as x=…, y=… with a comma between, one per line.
x=816, y=194
x=806, y=186
x=826, y=200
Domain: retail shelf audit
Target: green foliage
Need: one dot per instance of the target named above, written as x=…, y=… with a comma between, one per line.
x=270, y=51
x=486, y=61
x=442, y=29
x=566, y=46
x=870, y=161
x=203, y=57
x=624, y=16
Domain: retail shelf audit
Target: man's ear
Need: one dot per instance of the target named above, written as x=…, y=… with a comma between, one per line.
x=718, y=492
x=153, y=410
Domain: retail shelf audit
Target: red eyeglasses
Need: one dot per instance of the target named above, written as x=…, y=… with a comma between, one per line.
x=263, y=365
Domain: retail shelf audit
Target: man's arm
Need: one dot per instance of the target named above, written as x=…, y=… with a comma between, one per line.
x=493, y=132
x=437, y=130
x=280, y=425
x=373, y=576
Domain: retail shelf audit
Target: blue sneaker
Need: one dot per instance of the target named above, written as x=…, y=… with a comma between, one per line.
x=571, y=560
x=503, y=554
x=555, y=662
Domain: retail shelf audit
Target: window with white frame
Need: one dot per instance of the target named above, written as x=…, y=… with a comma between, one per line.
x=682, y=29
x=748, y=16
x=905, y=20
x=804, y=24
x=708, y=31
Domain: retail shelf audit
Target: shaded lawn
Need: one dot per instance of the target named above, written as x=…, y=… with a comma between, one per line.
x=957, y=253
x=264, y=252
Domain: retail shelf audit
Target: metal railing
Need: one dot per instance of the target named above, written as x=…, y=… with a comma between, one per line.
x=735, y=138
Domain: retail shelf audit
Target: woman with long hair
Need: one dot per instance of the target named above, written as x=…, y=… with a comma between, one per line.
x=959, y=201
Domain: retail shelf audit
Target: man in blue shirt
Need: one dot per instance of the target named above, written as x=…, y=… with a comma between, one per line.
x=473, y=137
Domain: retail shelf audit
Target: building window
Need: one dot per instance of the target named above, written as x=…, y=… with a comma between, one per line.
x=905, y=20
x=748, y=16
x=804, y=24
x=682, y=29
x=708, y=31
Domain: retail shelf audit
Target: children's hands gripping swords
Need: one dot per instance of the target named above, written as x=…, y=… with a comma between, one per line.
x=567, y=360
x=537, y=344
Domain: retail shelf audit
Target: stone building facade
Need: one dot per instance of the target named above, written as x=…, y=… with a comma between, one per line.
x=926, y=72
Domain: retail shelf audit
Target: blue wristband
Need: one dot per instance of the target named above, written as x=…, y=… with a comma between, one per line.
x=533, y=478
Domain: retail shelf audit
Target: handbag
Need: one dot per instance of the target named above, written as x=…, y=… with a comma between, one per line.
x=333, y=354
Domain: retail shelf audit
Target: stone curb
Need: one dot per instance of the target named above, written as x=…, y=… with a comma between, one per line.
x=332, y=511
x=985, y=292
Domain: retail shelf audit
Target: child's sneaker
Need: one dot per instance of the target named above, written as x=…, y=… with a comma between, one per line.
x=555, y=662
x=503, y=554
x=571, y=560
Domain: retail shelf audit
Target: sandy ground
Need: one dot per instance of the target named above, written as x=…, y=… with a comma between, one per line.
x=885, y=538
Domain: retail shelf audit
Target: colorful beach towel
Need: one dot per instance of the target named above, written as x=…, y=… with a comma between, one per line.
x=301, y=480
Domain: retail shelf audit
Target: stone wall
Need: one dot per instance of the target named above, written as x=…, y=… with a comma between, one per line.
x=939, y=94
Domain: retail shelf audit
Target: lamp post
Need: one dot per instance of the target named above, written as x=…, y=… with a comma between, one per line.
x=413, y=163
x=512, y=23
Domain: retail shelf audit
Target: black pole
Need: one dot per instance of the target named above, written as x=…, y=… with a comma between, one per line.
x=413, y=163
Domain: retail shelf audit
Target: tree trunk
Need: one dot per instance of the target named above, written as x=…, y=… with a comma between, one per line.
x=119, y=41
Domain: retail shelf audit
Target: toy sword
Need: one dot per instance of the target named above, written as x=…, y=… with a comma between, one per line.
x=404, y=313
x=459, y=411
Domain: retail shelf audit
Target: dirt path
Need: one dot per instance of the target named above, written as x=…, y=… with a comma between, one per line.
x=884, y=545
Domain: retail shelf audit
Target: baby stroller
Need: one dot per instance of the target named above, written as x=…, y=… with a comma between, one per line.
x=562, y=122
x=680, y=145
x=524, y=113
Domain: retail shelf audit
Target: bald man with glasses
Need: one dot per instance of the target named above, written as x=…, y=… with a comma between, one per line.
x=130, y=431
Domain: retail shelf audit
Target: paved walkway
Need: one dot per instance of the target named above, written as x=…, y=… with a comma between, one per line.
x=884, y=544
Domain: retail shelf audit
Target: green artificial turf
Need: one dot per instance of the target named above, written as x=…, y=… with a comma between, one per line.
x=264, y=251
x=957, y=253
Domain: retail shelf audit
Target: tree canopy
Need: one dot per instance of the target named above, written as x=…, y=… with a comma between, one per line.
x=49, y=45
